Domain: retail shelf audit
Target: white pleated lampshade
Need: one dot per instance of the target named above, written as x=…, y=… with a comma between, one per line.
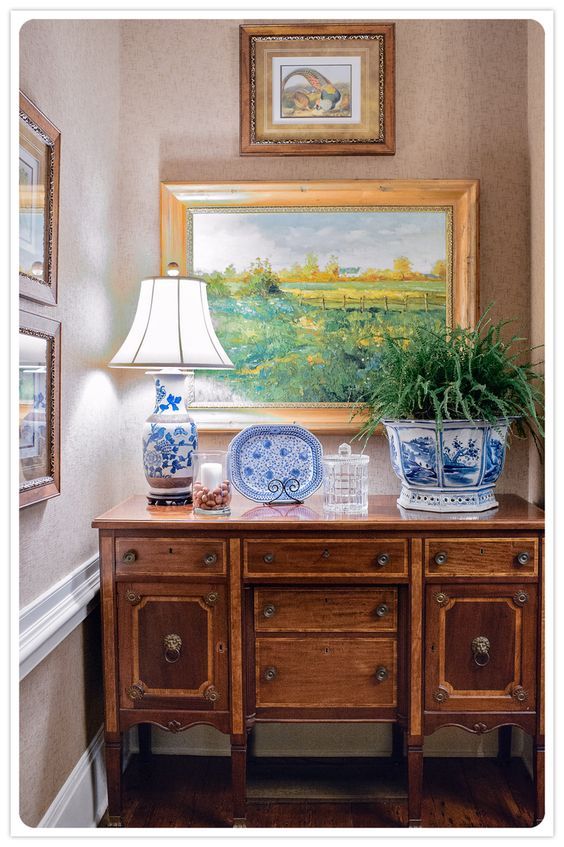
x=172, y=328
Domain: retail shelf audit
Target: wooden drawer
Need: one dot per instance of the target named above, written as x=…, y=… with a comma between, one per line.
x=328, y=557
x=325, y=610
x=481, y=647
x=481, y=557
x=325, y=672
x=170, y=555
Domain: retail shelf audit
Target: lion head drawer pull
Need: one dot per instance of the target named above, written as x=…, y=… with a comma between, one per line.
x=270, y=674
x=129, y=556
x=523, y=558
x=269, y=610
x=382, y=610
x=383, y=559
x=268, y=558
x=210, y=559
x=441, y=558
x=481, y=650
x=382, y=674
x=172, y=647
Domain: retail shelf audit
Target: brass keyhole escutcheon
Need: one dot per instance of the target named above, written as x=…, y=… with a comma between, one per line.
x=382, y=674
x=382, y=610
x=269, y=610
x=270, y=674
x=383, y=559
x=129, y=556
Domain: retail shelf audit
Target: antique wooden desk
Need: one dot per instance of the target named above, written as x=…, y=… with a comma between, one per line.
x=284, y=614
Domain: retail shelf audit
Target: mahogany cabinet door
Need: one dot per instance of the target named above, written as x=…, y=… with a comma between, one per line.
x=480, y=647
x=172, y=646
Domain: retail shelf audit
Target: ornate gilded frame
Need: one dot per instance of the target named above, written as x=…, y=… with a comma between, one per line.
x=458, y=197
x=44, y=289
x=43, y=488
x=373, y=130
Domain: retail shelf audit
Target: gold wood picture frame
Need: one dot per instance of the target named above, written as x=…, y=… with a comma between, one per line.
x=317, y=89
x=304, y=276
x=39, y=160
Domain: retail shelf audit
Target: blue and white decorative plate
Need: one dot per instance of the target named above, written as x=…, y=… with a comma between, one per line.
x=279, y=464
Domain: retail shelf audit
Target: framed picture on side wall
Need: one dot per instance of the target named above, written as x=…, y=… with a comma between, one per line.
x=39, y=408
x=317, y=89
x=39, y=157
x=304, y=277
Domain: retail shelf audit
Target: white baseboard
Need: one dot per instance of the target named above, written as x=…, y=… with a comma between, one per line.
x=83, y=799
x=48, y=619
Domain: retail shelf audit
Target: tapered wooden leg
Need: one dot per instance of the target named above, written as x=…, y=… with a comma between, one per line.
x=144, y=736
x=397, y=742
x=504, y=744
x=414, y=785
x=538, y=774
x=113, y=744
x=239, y=779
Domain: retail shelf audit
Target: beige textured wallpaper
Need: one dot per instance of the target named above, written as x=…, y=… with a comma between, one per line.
x=535, y=131
x=70, y=70
x=141, y=101
x=461, y=112
x=60, y=712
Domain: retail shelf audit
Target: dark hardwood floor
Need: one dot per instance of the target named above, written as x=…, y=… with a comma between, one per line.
x=185, y=791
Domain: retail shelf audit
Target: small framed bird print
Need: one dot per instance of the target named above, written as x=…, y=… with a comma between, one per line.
x=317, y=90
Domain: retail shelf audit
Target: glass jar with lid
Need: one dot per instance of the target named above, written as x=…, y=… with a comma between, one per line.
x=345, y=481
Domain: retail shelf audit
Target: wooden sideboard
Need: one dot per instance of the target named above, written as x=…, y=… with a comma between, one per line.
x=286, y=614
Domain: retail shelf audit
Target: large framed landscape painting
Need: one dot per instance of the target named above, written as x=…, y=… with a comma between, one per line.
x=303, y=279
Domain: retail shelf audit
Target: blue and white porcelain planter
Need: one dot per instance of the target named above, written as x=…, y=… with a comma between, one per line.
x=451, y=470
x=169, y=440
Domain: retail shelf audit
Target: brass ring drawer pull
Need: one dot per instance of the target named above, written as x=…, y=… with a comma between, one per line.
x=382, y=674
x=129, y=556
x=172, y=647
x=270, y=674
x=441, y=558
x=268, y=558
x=269, y=610
x=210, y=559
x=523, y=558
x=383, y=559
x=382, y=610
x=481, y=650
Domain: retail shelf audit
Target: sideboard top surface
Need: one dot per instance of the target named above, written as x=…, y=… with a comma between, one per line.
x=383, y=514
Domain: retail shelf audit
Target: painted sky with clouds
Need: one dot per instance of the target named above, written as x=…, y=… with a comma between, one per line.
x=359, y=239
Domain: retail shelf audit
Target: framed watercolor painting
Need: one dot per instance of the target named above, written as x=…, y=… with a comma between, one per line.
x=39, y=407
x=39, y=155
x=304, y=277
x=317, y=89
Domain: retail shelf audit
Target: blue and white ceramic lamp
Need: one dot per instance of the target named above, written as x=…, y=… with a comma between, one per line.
x=171, y=336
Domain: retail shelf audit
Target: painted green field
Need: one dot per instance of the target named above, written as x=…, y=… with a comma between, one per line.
x=314, y=342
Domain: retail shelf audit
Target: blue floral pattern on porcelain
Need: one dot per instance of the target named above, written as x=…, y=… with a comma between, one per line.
x=169, y=439
x=261, y=455
x=453, y=469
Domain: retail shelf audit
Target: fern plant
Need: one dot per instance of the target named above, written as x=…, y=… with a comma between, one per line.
x=455, y=374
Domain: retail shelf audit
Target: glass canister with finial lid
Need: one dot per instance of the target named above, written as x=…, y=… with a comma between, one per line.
x=345, y=481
